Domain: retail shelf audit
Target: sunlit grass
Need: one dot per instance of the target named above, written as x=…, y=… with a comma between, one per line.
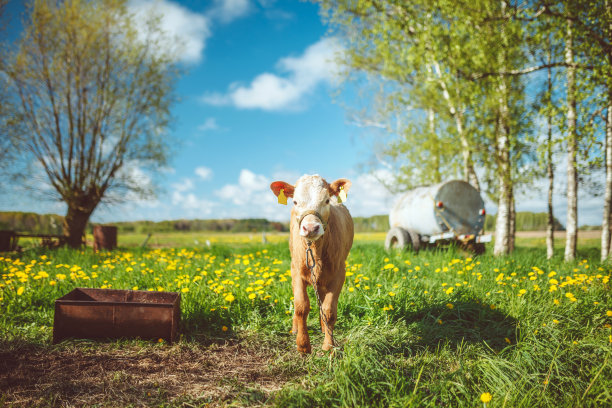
x=437, y=328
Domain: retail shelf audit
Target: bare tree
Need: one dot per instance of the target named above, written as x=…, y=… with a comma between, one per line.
x=93, y=96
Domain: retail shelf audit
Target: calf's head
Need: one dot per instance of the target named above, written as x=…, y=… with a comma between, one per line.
x=312, y=197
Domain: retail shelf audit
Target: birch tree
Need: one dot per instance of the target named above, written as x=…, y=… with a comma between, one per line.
x=412, y=48
x=93, y=96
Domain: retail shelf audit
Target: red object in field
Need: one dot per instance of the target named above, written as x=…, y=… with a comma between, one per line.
x=482, y=211
x=109, y=313
x=439, y=204
x=105, y=237
x=8, y=240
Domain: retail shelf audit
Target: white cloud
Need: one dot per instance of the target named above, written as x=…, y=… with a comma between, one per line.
x=209, y=124
x=186, y=203
x=251, y=181
x=368, y=196
x=229, y=10
x=187, y=30
x=182, y=186
x=282, y=92
x=249, y=188
x=203, y=172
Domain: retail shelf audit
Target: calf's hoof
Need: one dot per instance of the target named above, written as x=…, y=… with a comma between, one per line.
x=326, y=346
x=306, y=349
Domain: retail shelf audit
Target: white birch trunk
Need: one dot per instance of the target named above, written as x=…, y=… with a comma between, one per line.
x=605, y=223
x=607, y=209
x=572, y=146
x=502, y=223
x=504, y=175
x=550, y=224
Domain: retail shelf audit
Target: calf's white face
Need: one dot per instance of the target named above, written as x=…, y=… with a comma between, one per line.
x=312, y=197
x=311, y=194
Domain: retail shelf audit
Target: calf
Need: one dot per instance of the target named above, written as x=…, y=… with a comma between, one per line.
x=320, y=221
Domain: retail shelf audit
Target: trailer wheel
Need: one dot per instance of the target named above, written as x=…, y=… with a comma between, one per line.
x=415, y=240
x=478, y=248
x=397, y=238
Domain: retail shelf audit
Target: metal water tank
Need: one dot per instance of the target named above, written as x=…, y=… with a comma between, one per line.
x=450, y=210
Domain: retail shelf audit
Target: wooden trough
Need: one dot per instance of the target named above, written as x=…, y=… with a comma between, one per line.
x=109, y=313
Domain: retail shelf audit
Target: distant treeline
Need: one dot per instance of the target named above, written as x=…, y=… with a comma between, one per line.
x=52, y=224
x=224, y=225
x=31, y=222
x=362, y=224
x=526, y=221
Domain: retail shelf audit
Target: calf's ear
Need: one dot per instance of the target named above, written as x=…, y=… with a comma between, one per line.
x=277, y=186
x=336, y=186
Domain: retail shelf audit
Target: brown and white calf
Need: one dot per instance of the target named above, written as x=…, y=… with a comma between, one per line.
x=319, y=218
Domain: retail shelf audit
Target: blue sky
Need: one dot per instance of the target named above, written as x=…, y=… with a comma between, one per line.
x=256, y=105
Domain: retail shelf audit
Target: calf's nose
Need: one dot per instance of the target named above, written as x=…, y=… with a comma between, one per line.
x=310, y=229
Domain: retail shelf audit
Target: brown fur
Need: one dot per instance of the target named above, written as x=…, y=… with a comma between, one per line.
x=330, y=253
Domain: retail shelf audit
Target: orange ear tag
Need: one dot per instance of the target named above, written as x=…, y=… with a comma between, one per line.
x=281, y=197
x=341, y=195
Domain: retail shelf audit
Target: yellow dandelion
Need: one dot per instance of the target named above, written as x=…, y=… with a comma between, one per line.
x=450, y=305
x=230, y=298
x=252, y=296
x=224, y=328
x=391, y=293
x=185, y=290
x=609, y=313
x=486, y=397
x=20, y=291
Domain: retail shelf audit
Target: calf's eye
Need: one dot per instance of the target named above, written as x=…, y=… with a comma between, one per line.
x=294, y=202
x=327, y=201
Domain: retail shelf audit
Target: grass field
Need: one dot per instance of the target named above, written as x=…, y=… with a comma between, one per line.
x=437, y=328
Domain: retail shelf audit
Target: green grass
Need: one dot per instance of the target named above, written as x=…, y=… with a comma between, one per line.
x=407, y=338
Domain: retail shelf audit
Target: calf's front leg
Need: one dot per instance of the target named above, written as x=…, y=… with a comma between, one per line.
x=302, y=307
x=329, y=309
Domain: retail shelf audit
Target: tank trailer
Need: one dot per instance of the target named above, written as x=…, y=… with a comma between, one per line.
x=452, y=211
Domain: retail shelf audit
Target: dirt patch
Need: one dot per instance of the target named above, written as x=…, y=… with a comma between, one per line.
x=138, y=376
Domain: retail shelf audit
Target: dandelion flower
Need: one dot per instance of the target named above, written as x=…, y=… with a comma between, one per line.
x=224, y=328
x=609, y=313
x=185, y=290
x=20, y=290
x=230, y=298
x=450, y=305
x=485, y=397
